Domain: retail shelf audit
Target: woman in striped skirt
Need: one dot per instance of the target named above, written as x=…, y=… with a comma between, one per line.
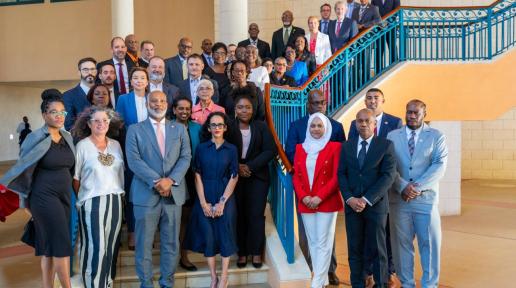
x=99, y=180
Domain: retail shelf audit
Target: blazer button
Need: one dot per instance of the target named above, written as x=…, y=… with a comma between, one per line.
x=326, y=162
x=410, y=168
x=324, y=172
x=322, y=182
x=410, y=179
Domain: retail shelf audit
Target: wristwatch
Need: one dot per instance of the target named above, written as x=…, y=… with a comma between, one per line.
x=222, y=200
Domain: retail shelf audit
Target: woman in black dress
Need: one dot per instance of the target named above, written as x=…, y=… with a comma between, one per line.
x=218, y=71
x=255, y=150
x=43, y=176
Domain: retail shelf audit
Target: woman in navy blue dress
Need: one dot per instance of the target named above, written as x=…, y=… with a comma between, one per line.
x=212, y=228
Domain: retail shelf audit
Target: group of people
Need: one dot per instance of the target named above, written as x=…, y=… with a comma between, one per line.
x=386, y=179
x=180, y=146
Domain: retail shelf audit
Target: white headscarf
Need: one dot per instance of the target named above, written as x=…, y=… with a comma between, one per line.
x=312, y=145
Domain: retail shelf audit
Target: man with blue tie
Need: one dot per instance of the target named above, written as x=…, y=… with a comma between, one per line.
x=421, y=153
x=342, y=29
x=158, y=152
x=367, y=169
x=385, y=123
x=176, y=69
x=75, y=99
x=207, y=56
x=324, y=23
x=352, y=5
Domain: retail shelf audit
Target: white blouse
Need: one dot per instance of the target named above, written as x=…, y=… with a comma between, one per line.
x=259, y=76
x=246, y=140
x=97, y=179
x=311, y=160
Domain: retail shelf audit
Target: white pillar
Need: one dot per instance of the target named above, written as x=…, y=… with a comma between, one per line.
x=231, y=21
x=122, y=17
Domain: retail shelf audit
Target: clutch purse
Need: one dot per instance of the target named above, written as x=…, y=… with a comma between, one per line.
x=29, y=233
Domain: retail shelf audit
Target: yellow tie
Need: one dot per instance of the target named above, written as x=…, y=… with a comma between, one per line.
x=185, y=70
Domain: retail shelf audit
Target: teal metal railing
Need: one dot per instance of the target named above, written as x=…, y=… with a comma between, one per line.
x=406, y=34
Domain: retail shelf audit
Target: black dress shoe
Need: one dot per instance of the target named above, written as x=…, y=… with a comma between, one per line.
x=242, y=264
x=333, y=279
x=187, y=267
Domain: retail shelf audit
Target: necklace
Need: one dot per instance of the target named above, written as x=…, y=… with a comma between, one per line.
x=106, y=159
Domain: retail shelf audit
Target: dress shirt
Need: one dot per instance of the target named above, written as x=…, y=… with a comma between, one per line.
x=349, y=14
x=154, y=87
x=209, y=58
x=194, y=83
x=359, y=146
x=254, y=42
x=124, y=70
x=162, y=126
x=409, y=131
x=199, y=115
x=378, y=123
x=311, y=160
x=84, y=88
x=324, y=26
x=289, y=30
x=141, y=108
x=95, y=178
x=112, y=96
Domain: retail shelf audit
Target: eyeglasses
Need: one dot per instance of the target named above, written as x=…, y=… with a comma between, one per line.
x=221, y=53
x=100, y=121
x=281, y=64
x=204, y=88
x=185, y=46
x=88, y=70
x=55, y=113
x=217, y=125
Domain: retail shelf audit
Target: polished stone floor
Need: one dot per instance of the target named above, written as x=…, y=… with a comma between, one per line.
x=479, y=247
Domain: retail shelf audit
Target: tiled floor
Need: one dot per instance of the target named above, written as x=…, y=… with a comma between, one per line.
x=479, y=247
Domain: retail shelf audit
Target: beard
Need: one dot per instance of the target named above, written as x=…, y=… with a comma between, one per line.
x=156, y=77
x=156, y=113
x=90, y=79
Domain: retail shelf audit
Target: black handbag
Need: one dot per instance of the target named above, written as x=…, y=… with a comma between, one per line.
x=29, y=233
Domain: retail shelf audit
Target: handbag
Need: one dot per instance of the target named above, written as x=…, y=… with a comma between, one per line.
x=29, y=234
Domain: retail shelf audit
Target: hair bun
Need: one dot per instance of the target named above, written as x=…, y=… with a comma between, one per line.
x=51, y=94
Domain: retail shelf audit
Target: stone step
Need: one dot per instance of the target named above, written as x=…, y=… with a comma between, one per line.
x=126, y=257
x=126, y=276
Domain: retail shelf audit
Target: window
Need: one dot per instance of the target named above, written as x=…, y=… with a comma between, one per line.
x=19, y=2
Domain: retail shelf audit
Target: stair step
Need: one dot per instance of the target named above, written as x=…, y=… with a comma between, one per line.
x=126, y=257
x=126, y=275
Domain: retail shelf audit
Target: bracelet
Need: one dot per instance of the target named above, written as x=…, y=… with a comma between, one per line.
x=222, y=200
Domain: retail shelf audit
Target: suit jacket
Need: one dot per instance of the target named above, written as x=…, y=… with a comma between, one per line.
x=184, y=89
x=426, y=166
x=173, y=70
x=376, y=176
x=75, y=102
x=297, y=133
x=277, y=40
x=261, y=151
x=370, y=17
x=348, y=30
x=320, y=27
x=142, y=63
x=130, y=66
x=145, y=160
x=322, y=47
x=325, y=184
x=387, y=7
x=389, y=123
x=264, y=49
x=126, y=107
x=205, y=60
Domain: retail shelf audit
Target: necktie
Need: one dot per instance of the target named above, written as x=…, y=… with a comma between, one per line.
x=161, y=139
x=361, y=13
x=121, y=81
x=375, y=131
x=185, y=70
x=411, y=143
x=337, y=31
x=362, y=153
x=325, y=27
x=210, y=61
x=285, y=37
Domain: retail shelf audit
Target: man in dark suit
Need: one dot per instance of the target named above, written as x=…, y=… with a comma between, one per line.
x=367, y=169
x=122, y=67
x=156, y=71
x=146, y=53
x=107, y=76
x=342, y=29
x=207, y=56
x=296, y=135
x=176, y=69
x=264, y=49
x=132, y=49
x=324, y=23
x=386, y=7
x=188, y=87
x=366, y=16
x=385, y=123
x=285, y=35
x=75, y=99
x=352, y=5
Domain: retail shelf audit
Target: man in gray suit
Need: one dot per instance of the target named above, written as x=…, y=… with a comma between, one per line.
x=421, y=153
x=176, y=69
x=159, y=154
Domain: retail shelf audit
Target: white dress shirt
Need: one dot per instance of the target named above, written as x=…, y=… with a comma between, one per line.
x=126, y=74
x=95, y=178
x=194, y=83
x=141, y=108
x=84, y=88
x=409, y=131
x=154, y=87
x=378, y=123
x=162, y=126
x=112, y=96
x=359, y=147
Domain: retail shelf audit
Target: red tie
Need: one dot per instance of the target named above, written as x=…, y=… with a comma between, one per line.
x=338, y=28
x=375, y=131
x=121, y=81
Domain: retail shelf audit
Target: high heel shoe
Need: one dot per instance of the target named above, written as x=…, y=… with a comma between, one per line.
x=257, y=264
x=190, y=267
x=240, y=263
